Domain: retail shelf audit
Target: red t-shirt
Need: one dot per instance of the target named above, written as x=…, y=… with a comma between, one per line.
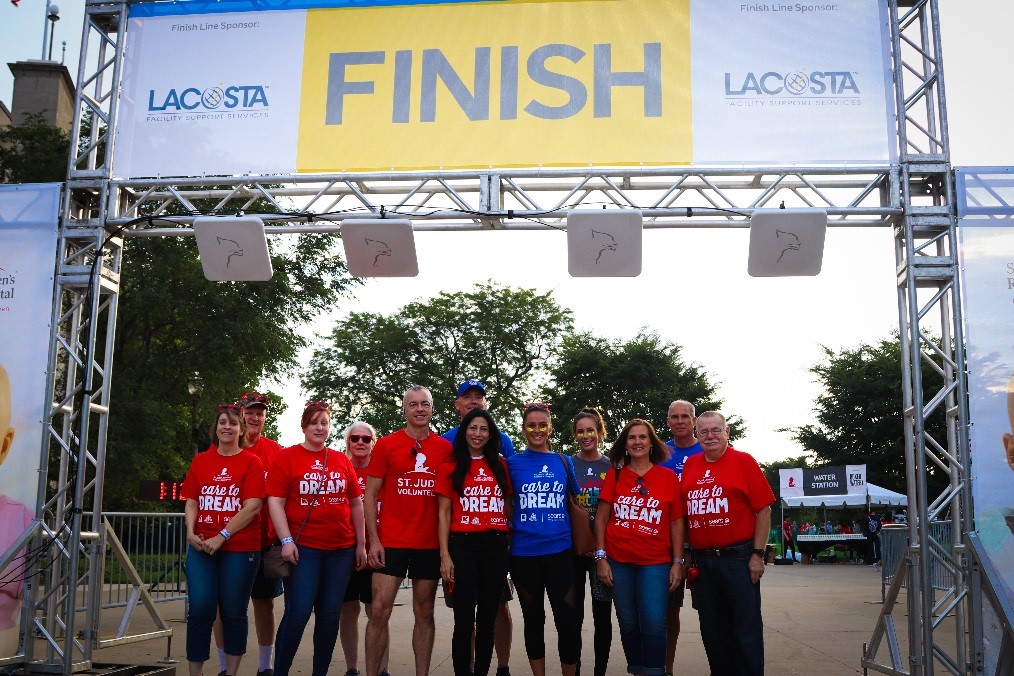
x=300, y=476
x=722, y=498
x=265, y=449
x=639, y=531
x=480, y=506
x=221, y=484
x=409, y=517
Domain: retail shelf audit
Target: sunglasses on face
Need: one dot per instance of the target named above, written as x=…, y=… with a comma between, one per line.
x=641, y=488
x=416, y=448
x=365, y=438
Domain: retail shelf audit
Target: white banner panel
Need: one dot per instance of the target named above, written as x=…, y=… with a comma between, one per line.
x=322, y=86
x=778, y=82
x=791, y=482
x=28, y=230
x=211, y=94
x=987, y=270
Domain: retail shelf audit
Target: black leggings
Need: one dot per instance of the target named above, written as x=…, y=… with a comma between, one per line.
x=535, y=577
x=602, y=615
x=480, y=574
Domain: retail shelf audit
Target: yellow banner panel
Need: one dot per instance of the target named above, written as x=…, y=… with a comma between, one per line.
x=565, y=83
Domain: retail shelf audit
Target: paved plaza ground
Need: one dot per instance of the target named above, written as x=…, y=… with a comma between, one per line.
x=816, y=619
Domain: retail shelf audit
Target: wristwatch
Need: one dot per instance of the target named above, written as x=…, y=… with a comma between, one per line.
x=759, y=552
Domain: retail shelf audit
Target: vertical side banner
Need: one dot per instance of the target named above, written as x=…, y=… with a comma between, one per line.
x=791, y=481
x=28, y=235
x=987, y=271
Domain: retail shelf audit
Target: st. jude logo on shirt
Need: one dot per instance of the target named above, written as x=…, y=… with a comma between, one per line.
x=420, y=480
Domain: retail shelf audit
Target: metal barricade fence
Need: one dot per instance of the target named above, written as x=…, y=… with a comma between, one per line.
x=894, y=541
x=156, y=545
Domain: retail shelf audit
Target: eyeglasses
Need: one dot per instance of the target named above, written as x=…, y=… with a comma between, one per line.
x=536, y=406
x=250, y=398
x=531, y=427
x=712, y=431
x=365, y=438
x=641, y=488
x=323, y=405
x=230, y=408
x=416, y=448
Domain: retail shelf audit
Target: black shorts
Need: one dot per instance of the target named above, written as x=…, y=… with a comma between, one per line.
x=675, y=599
x=360, y=586
x=263, y=587
x=415, y=564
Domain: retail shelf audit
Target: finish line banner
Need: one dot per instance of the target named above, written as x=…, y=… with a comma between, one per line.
x=311, y=86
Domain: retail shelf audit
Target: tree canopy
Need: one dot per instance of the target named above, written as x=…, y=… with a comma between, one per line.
x=502, y=336
x=625, y=379
x=173, y=323
x=33, y=151
x=859, y=417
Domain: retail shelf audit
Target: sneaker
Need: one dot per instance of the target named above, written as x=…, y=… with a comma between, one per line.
x=503, y=671
x=266, y=672
x=350, y=672
x=222, y=673
x=385, y=672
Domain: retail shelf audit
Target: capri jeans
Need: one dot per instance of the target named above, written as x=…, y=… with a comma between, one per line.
x=218, y=584
x=641, y=594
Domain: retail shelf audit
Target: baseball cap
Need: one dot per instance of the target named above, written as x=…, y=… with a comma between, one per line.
x=254, y=399
x=469, y=384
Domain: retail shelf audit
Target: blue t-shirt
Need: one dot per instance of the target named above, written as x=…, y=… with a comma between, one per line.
x=506, y=445
x=541, y=521
x=678, y=456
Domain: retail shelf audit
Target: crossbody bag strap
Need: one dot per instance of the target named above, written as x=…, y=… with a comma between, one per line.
x=313, y=502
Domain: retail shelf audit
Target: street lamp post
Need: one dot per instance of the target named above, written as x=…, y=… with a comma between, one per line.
x=195, y=386
x=52, y=16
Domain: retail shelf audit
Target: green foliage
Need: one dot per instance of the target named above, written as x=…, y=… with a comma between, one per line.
x=33, y=151
x=636, y=378
x=505, y=337
x=173, y=323
x=859, y=416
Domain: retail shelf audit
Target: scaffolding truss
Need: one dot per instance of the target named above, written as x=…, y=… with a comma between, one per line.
x=915, y=197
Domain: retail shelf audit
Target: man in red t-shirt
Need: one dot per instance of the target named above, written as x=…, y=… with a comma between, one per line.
x=403, y=540
x=255, y=409
x=728, y=505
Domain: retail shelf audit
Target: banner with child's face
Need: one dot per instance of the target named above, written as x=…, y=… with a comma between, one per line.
x=28, y=236
x=987, y=290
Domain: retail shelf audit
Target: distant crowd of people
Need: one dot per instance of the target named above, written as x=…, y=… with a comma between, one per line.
x=634, y=522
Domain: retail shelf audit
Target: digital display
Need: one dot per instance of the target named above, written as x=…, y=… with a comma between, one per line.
x=161, y=490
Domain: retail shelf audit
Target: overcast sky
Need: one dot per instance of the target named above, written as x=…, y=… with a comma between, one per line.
x=757, y=337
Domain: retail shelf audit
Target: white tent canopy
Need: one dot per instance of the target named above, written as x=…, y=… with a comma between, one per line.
x=875, y=496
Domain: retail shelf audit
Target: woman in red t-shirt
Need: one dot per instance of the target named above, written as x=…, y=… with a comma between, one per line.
x=315, y=505
x=472, y=530
x=360, y=437
x=224, y=490
x=639, y=538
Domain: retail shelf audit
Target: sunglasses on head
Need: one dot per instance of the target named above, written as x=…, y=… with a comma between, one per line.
x=250, y=398
x=365, y=438
x=641, y=488
x=230, y=408
x=323, y=405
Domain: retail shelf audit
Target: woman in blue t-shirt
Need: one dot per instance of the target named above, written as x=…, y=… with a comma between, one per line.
x=542, y=560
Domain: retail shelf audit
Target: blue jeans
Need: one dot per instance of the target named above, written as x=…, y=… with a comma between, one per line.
x=218, y=583
x=640, y=594
x=317, y=585
x=729, y=606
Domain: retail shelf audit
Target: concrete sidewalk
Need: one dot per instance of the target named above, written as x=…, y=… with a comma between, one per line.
x=816, y=620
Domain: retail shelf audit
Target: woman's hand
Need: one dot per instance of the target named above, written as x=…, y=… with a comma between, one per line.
x=604, y=572
x=362, y=559
x=290, y=553
x=447, y=572
x=212, y=545
x=675, y=575
x=196, y=541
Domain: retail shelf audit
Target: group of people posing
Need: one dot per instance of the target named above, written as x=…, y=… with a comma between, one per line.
x=465, y=508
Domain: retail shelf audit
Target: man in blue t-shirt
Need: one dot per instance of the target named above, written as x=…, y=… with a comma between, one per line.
x=681, y=421
x=472, y=394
